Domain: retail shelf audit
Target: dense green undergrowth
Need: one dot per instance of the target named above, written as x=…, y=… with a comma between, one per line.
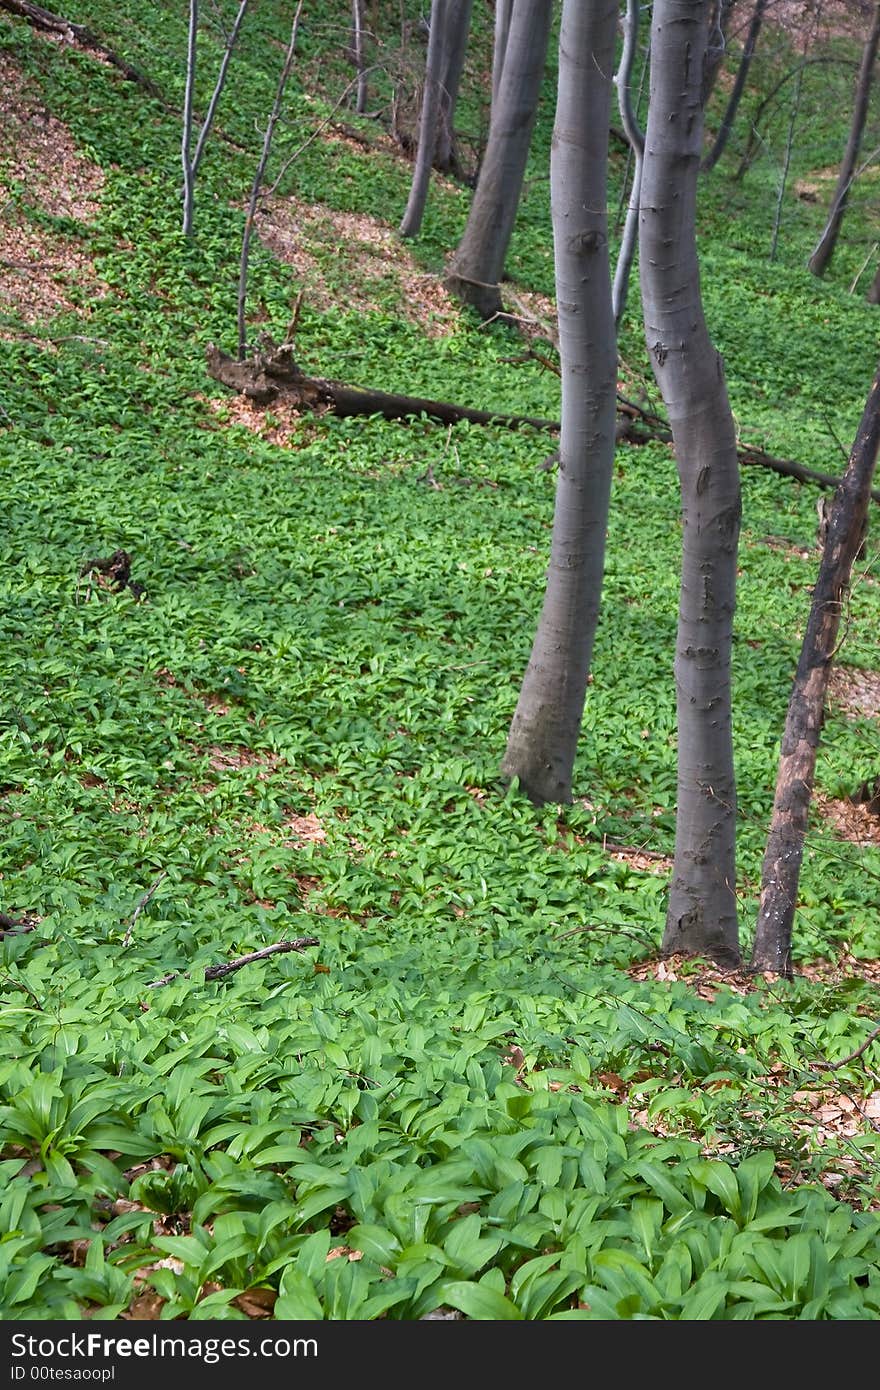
x=461, y=1093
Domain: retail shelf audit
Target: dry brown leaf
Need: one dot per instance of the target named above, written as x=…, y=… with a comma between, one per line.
x=256, y=1303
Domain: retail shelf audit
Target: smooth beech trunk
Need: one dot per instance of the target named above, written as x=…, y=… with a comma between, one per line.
x=739, y=85
x=797, y=763
x=458, y=23
x=543, y=736
x=476, y=268
x=701, y=918
x=187, y=129
x=821, y=257
x=636, y=137
x=502, y=29
x=429, y=121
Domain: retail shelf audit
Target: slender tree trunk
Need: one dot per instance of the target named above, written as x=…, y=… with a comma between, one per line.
x=231, y=40
x=458, y=23
x=357, y=46
x=873, y=295
x=702, y=916
x=797, y=763
x=258, y=182
x=503, y=10
x=786, y=164
x=476, y=267
x=429, y=119
x=716, y=44
x=543, y=736
x=636, y=138
x=739, y=85
x=821, y=257
x=186, y=137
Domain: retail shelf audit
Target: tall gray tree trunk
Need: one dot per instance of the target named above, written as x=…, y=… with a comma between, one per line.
x=429, y=119
x=476, y=267
x=543, y=736
x=503, y=9
x=636, y=138
x=739, y=85
x=821, y=257
x=800, y=740
x=701, y=916
x=458, y=23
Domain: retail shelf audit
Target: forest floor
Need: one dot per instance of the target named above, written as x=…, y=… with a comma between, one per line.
x=481, y=1090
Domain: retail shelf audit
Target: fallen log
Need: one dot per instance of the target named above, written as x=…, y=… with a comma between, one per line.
x=56, y=24
x=273, y=373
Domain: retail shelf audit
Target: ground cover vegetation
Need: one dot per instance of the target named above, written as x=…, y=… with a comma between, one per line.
x=280, y=717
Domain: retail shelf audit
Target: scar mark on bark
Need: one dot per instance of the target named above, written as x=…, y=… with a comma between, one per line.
x=703, y=478
x=660, y=352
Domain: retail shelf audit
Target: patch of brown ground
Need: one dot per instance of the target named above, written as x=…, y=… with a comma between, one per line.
x=850, y=822
x=856, y=693
x=282, y=425
x=381, y=273
x=38, y=269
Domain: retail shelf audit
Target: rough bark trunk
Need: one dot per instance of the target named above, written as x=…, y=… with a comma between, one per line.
x=797, y=763
x=476, y=267
x=636, y=138
x=739, y=85
x=821, y=257
x=458, y=23
x=429, y=119
x=702, y=916
x=543, y=737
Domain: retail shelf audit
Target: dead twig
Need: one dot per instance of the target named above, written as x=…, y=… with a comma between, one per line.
x=228, y=967
x=853, y=1056
x=126, y=940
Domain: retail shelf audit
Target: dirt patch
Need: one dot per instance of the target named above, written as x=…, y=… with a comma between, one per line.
x=304, y=830
x=856, y=693
x=855, y=823
x=381, y=276
x=282, y=425
x=42, y=169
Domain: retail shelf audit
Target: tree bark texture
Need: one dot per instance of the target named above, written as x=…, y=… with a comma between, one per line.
x=800, y=739
x=821, y=257
x=636, y=138
x=458, y=23
x=701, y=916
x=543, y=737
x=476, y=267
x=739, y=85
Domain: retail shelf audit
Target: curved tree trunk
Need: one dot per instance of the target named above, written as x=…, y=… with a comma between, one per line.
x=797, y=763
x=739, y=85
x=821, y=257
x=702, y=916
x=476, y=267
x=636, y=138
x=543, y=736
x=458, y=23
x=429, y=119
